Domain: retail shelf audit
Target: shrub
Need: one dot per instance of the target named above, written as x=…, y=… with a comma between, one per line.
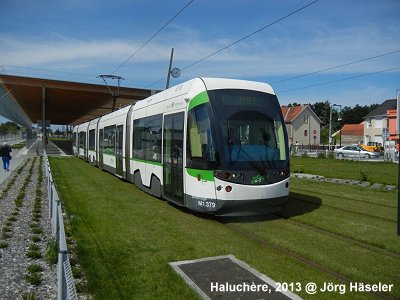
x=12, y=219
x=34, y=279
x=363, y=175
x=36, y=238
x=5, y=235
x=29, y=296
x=33, y=254
x=37, y=230
x=34, y=268
x=33, y=247
x=52, y=252
x=6, y=228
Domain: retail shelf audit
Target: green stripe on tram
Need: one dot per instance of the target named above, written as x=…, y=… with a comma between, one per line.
x=147, y=161
x=204, y=174
x=198, y=100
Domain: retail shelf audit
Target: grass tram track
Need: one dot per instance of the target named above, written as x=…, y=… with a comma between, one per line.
x=117, y=225
x=310, y=263
x=342, y=237
x=335, y=268
x=297, y=198
x=346, y=198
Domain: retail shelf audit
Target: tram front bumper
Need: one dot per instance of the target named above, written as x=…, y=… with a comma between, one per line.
x=242, y=199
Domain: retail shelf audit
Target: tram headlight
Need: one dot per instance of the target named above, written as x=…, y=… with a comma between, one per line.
x=228, y=188
x=229, y=176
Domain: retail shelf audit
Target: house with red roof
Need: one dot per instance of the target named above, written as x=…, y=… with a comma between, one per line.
x=302, y=124
x=349, y=134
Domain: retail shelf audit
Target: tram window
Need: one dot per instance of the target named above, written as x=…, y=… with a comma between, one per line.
x=254, y=136
x=101, y=140
x=200, y=144
x=138, y=138
x=82, y=139
x=153, y=138
x=147, y=138
x=92, y=134
x=109, y=140
x=280, y=136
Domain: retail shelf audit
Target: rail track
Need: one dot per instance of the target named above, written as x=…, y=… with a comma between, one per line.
x=250, y=233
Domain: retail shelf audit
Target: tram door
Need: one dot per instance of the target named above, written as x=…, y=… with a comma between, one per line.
x=101, y=148
x=173, y=156
x=118, y=150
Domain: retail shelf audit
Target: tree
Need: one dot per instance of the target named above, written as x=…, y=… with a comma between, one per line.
x=356, y=114
x=322, y=110
x=324, y=136
x=9, y=128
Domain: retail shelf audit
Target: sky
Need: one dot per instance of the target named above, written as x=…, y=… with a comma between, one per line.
x=77, y=40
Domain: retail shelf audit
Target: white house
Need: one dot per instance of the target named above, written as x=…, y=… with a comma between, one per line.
x=376, y=122
x=303, y=125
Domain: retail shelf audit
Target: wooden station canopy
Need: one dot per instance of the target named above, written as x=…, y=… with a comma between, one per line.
x=67, y=103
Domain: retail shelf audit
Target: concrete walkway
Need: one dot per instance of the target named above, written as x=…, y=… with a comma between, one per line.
x=19, y=155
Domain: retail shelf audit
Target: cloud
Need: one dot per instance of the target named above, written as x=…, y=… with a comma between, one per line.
x=285, y=54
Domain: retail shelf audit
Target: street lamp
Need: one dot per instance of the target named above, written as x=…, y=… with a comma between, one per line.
x=330, y=124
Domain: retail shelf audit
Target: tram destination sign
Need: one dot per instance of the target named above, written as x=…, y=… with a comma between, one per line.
x=233, y=100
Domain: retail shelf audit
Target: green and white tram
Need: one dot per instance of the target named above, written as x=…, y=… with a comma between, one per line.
x=212, y=145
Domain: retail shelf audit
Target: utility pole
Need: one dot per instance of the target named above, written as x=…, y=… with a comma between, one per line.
x=398, y=155
x=175, y=72
x=330, y=124
x=169, y=69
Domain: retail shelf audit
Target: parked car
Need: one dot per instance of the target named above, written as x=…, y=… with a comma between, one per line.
x=355, y=151
x=373, y=147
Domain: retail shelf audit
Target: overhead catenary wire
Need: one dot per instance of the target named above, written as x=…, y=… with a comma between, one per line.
x=152, y=37
x=336, y=67
x=338, y=80
x=243, y=38
x=251, y=34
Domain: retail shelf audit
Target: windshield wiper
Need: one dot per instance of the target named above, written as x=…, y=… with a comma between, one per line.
x=252, y=161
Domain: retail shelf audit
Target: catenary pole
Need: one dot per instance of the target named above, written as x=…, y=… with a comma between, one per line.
x=169, y=69
x=398, y=155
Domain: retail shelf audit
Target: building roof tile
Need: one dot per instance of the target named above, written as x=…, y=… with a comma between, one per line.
x=353, y=129
x=382, y=109
x=290, y=113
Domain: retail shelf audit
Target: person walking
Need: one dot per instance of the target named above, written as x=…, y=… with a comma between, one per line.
x=5, y=155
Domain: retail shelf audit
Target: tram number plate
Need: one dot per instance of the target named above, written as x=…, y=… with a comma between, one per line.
x=206, y=204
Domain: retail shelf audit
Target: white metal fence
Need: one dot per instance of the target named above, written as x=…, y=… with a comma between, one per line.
x=65, y=282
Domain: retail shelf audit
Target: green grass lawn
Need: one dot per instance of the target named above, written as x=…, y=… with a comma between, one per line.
x=126, y=238
x=376, y=172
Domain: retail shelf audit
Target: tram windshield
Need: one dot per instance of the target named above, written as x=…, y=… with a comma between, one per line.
x=249, y=129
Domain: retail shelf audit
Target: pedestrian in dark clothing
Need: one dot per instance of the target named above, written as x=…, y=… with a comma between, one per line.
x=5, y=155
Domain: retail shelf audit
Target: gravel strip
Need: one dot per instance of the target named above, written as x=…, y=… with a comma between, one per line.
x=13, y=259
x=375, y=186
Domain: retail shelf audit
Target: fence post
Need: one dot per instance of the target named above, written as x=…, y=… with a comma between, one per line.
x=65, y=282
x=62, y=254
x=51, y=198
